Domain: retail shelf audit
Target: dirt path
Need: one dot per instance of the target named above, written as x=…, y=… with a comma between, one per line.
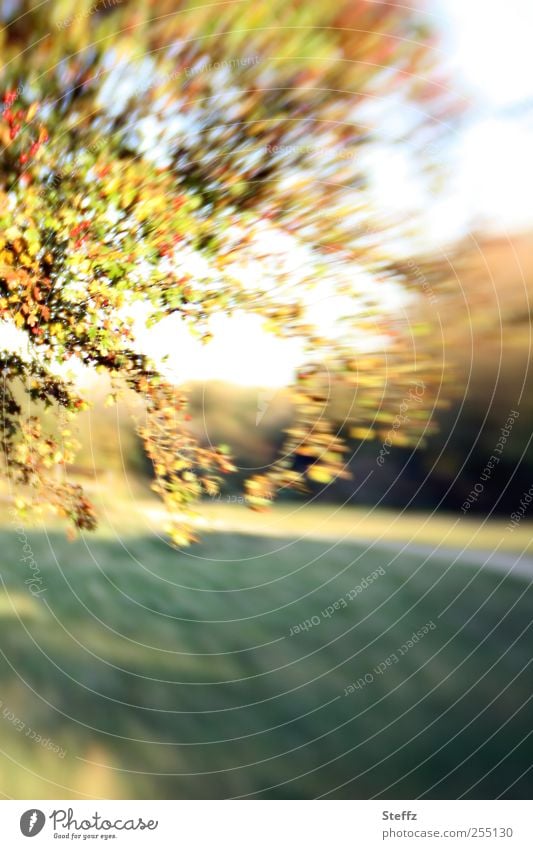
x=509, y=562
x=444, y=538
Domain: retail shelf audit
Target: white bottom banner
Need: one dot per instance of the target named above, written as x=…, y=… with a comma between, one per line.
x=264, y=824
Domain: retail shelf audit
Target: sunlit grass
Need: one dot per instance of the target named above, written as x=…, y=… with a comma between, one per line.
x=173, y=675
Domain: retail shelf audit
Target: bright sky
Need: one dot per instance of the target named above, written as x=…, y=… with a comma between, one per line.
x=489, y=43
x=240, y=352
x=489, y=48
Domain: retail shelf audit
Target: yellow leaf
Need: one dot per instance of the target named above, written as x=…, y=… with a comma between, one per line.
x=32, y=111
x=362, y=433
x=319, y=474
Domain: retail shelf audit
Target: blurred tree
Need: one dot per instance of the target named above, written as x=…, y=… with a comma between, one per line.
x=196, y=159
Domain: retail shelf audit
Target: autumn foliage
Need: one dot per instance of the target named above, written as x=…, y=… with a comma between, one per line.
x=137, y=167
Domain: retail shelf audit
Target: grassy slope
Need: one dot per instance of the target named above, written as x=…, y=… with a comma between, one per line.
x=173, y=675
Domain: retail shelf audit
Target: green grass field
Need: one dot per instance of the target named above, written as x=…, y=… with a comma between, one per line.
x=165, y=674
